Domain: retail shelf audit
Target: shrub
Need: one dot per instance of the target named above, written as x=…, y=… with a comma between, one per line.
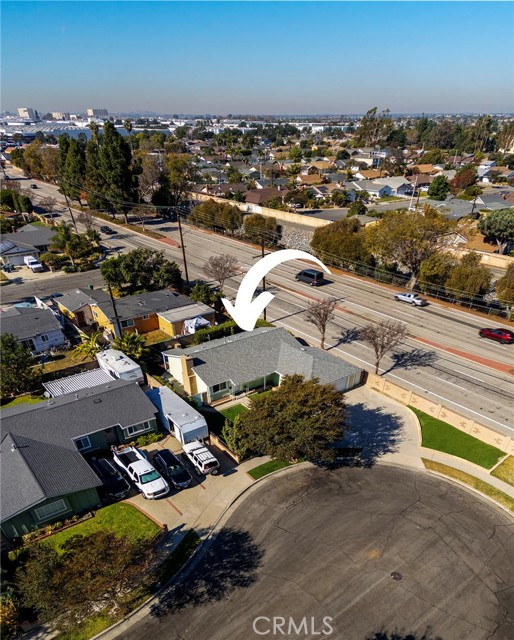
x=148, y=438
x=228, y=328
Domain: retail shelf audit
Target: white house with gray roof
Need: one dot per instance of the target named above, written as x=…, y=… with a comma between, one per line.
x=253, y=360
x=37, y=329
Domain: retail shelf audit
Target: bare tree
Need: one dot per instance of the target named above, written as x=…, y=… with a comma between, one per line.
x=143, y=213
x=87, y=219
x=220, y=268
x=148, y=180
x=383, y=337
x=319, y=313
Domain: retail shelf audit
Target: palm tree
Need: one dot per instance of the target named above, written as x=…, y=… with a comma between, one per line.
x=89, y=347
x=94, y=128
x=127, y=125
x=67, y=241
x=133, y=345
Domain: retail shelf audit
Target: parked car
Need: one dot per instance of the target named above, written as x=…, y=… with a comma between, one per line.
x=144, y=475
x=172, y=469
x=33, y=186
x=107, y=230
x=411, y=298
x=310, y=276
x=33, y=264
x=114, y=484
x=505, y=336
x=201, y=458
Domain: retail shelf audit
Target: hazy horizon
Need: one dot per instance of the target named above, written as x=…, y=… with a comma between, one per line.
x=282, y=58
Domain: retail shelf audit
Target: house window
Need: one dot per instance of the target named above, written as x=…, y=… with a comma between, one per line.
x=127, y=323
x=44, y=338
x=51, y=509
x=137, y=428
x=220, y=387
x=145, y=317
x=28, y=344
x=83, y=443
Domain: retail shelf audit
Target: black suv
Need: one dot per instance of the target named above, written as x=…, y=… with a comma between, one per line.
x=107, y=230
x=310, y=276
x=171, y=468
x=115, y=486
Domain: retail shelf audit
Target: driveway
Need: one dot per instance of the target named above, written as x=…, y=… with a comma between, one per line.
x=381, y=553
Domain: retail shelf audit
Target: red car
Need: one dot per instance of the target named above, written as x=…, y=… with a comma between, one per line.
x=505, y=336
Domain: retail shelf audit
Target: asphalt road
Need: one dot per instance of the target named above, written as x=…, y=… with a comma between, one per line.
x=443, y=358
x=377, y=551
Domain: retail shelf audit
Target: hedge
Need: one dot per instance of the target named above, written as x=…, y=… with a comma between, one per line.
x=228, y=328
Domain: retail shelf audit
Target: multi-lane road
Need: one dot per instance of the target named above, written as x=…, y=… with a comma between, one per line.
x=443, y=357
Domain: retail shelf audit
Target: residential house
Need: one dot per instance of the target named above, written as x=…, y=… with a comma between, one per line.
x=420, y=181
x=37, y=329
x=262, y=183
x=257, y=359
x=368, y=174
x=427, y=169
x=29, y=240
x=310, y=179
x=77, y=305
x=399, y=186
x=261, y=196
x=45, y=476
x=375, y=189
x=497, y=174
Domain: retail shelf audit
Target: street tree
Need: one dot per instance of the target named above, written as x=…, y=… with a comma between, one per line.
x=68, y=242
x=141, y=270
x=132, y=345
x=115, y=159
x=383, y=337
x=261, y=229
x=95, y=180
x=342, y=242
x=17, y=373
x=221, y=268
x=408, y=238
x=148, y=179
x=438, y=189
x=87, y=219
x=469, y=279
x=357, y=208
x=499, y=227
x=299, y=420
x=435, y=270
x=74, y=173
x=505, y=288
x=320, y=313
x=464, y=178
x=181, y=174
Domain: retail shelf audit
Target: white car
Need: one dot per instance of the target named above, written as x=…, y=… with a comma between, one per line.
x=411, y=298
x=202, y=459
x=146, y=478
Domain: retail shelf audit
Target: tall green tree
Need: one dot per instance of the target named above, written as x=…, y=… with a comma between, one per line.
x=95, y=180
x=259, y=229
x=182, y=175
x=505, y=288
x=132, y=345
x=68, y=242
x=142, y=270
x=114, y=159
x=435, y=270
x=301, y=419
x=469, y=278
x=72, y=179
x=17, y=374
x=342, y=242
x=439, y=188
x=498, y=226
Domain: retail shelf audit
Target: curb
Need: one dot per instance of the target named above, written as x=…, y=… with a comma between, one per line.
x=196, y=554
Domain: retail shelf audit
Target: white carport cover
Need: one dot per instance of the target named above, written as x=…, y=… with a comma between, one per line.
x=192, y=325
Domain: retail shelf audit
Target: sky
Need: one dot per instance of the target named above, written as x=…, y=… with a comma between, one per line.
x=258, y=57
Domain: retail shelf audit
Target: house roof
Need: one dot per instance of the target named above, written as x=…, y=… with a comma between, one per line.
x=143, y=304
x=370, y=174
x=76, y=382
x=368, y=185
x=426, y=168
x=264, y=351
x=186, y=312
x=45, y=462
x=259, y=196
x=30, y=236
x=28, y=322
x=75, y=300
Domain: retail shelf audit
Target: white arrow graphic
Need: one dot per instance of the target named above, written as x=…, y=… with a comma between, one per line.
x=245, y=311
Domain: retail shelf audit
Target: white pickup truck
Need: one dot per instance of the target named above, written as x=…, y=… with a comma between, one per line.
x=146, y=478
x=201, y=458
x=32, y=263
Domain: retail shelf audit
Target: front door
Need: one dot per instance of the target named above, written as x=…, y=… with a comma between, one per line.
x=110, y=435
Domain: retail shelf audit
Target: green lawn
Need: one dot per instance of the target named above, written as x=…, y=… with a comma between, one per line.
x=178, y=557
x=63, y=360
x=477, y=484
x=121, y=519
x=262, y=394
x=505, y=471
x=23, y=400
x=441, y=436
x=268, y=467
x=231, y=412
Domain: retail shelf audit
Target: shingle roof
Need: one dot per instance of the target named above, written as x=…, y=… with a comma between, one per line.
x=45, y=462
x=28, y=322
x=30, y=235
x=253, y=354
x=144, y=304
x=75, y=300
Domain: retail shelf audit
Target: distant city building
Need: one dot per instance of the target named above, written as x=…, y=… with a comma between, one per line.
x=60, y=115
x=28, y=113
x=97, y=113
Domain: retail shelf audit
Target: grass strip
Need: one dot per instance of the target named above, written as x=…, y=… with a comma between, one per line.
x=505, y=471
x=268, y=467
x=476, y=483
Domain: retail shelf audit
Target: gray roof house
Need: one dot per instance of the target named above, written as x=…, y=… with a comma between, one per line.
x=37, y=329
x=44, y=476
x=29, y=240
x=253, y=360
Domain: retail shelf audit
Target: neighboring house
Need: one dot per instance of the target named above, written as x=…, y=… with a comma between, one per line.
x=37, y=329
x=399, y=186
x=375, y=189
x=497, y=173
x=501, y=199
x=142, y=313
x=251, y=360
x=420, y=181
x=29, y=240
x=261, y=196
x=77, y=382
x=368, y=174
x=262, y=183
x=428, y=169
x=310, y=179
x=44, y=475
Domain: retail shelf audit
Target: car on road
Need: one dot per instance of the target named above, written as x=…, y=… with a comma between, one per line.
x=107, y=230
x=201, y=458
x=411, y=298
x=505, y=336
x=172, y=469
x=33, y=186
x=310, y=276
x=143, y=474
x=114, y=484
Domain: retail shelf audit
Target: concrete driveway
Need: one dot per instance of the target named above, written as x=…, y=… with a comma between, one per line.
x=382, y=553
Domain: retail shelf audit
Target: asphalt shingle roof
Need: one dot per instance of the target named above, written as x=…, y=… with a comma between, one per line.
x=28, y=322
x=253, y=354
x=45, y=462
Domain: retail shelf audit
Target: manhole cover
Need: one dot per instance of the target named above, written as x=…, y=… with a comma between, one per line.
x=396, y=576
